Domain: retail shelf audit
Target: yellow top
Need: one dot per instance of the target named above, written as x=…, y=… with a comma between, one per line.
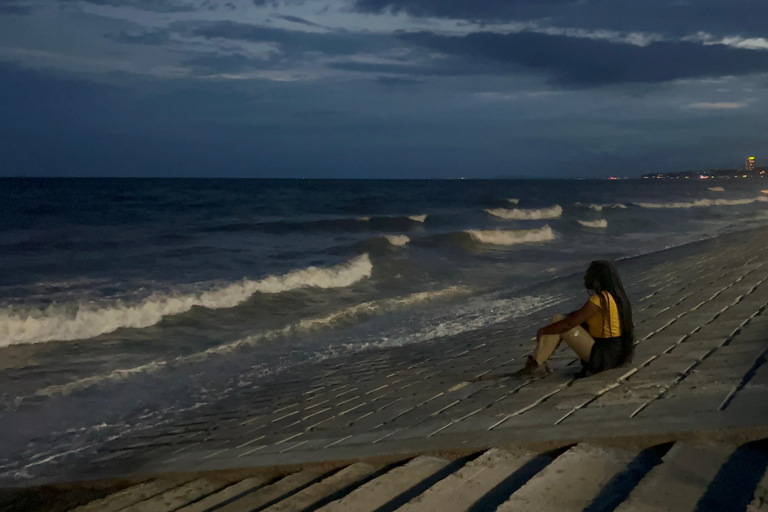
x=602, y=325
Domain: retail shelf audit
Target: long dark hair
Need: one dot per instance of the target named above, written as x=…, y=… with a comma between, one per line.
x=602, y=276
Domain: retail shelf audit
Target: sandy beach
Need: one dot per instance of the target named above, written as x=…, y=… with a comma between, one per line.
x=397, y=428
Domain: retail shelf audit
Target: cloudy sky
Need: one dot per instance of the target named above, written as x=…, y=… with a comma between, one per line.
x=381, y=88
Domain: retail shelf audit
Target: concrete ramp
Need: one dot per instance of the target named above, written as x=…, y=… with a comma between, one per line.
x=680, y=481
x=462, y=489
x=571, y=482
x=324, y=489
x=272, y=493
x=684, y=477
x=131, y=496
x=178, y=497
x=233, y=491
x=386, y=488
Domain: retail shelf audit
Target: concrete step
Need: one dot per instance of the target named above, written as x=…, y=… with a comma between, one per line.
x=680, y=481
x=128, y=497
x=459, y=491
x=273, y=492
x=387, y=487
x=178, y=497
x=571, y=482
x=324, y=489
x=216, y=499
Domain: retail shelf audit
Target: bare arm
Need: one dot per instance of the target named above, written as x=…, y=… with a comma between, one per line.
x=578, y=317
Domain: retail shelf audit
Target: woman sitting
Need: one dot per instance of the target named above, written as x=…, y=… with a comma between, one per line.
x=601, y=333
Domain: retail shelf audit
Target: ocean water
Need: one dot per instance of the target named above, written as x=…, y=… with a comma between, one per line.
x=124, y=303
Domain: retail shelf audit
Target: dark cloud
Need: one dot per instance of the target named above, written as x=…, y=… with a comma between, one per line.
x=294, y=45
x=60, y=125
x=295, y=41
x=476, y=9
x=14, y=8
x=423, y=104
x=168, y=6
x=213, y=63
x=584, y=62
x=680, y=17
x=565, y=61
x=296, y=19
x=441, y=67
x=150, y=37
x=276, y=3
x=397, y=81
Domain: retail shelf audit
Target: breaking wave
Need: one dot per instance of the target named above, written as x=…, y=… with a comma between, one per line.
x=521, y=214
x=397, y=240
x=342, y=317
x=514, y=201
x=377, y=245
x=499, y=237
x=597, y=224
x=418, y=218
x=82, y=320
x=716, y=189
x=600, y=207
x=700, y=203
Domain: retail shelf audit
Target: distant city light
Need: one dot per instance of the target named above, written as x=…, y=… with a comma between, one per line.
x=750, y=171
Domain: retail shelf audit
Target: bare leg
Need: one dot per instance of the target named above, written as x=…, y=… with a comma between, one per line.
x=577, y=338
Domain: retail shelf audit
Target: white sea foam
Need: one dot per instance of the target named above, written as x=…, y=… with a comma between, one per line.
x=600, y=207
x=418, y=218
x=514, y=201
x=398, y=240
x=72, y=321
x=597, y=224
x=499, y=237
x=700, y=203
x=334, y=319
x=521, y=214
x=471, y=315
x=363, y=219
x=716, y=189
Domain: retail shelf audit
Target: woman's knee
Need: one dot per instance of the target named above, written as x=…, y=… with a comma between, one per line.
x=557, y=318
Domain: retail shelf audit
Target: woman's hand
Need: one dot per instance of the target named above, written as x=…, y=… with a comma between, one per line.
x=572, y=320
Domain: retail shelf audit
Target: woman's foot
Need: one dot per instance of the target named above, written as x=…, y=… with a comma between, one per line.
x=532, y=369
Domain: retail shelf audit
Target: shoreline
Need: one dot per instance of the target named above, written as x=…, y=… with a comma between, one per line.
x=697, y=375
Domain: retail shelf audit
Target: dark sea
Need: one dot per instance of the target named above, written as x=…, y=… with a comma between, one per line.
x=126, y=302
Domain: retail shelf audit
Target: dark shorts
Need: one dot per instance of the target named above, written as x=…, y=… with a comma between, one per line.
x=606, y=353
